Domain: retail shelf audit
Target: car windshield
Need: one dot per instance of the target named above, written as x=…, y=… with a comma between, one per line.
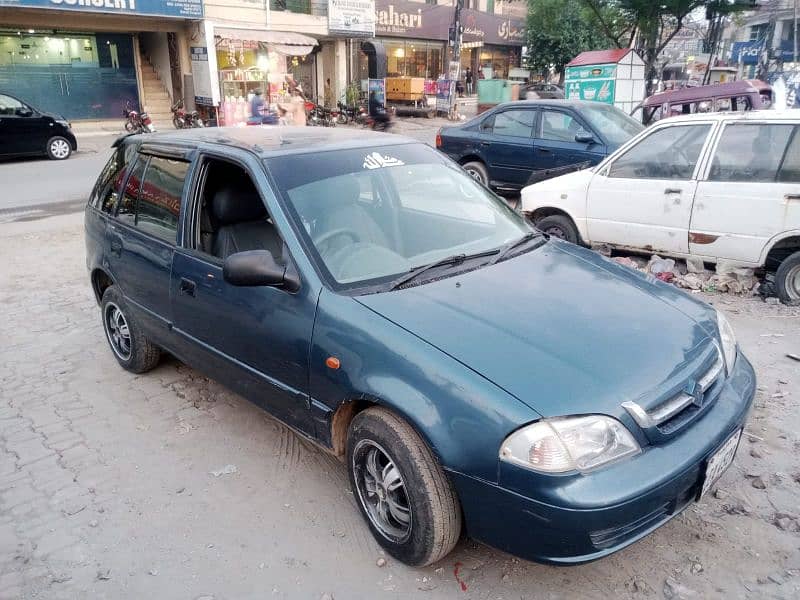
x=615, y=125
x=372, y=215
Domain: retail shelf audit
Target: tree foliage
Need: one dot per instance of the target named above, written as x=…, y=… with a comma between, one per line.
x=558, y=30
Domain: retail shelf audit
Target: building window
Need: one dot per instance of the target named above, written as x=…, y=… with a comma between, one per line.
x=758, y=32
x=490, y=6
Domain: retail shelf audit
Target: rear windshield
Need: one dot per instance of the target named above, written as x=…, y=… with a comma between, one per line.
x=371, y=214
x=612, y=123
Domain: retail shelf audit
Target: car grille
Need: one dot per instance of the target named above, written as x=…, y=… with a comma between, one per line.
x=680, y=409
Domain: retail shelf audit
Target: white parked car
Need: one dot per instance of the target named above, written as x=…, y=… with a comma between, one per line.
x=715, y=186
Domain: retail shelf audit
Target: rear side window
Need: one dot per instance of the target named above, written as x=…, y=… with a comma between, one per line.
x=668, y=153
x=750, y=152
x=160, y=198
x=127, y=204
x=514, y=123
x=106, y=190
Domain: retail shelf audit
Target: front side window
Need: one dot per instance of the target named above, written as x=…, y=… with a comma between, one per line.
x=370, y=215
x=514, y=123
x=667, y=153
x=558, y=126
x=750, y=152
x=9, y=106
x=160, y=197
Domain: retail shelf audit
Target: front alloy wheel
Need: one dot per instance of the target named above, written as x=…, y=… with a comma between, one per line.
x=382, y=491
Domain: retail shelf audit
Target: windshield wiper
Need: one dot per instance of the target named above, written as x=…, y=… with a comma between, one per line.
x=455, y=259
x=508, y=248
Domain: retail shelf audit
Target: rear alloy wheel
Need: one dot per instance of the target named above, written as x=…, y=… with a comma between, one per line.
x=128, y=343
x=477, y=170
x=559, y=226
x=58, y=148
x=787, y=280
x=401, y=490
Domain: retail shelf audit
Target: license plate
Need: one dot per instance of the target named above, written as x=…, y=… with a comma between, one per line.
x=720, y=461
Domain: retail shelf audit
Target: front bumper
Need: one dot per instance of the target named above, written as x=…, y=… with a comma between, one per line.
x=574, y=519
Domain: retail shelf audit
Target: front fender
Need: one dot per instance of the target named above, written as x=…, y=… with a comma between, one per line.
x=567, y=194
x=461, y=415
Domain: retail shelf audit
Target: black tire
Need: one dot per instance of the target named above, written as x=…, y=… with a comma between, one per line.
x=559, y=226
x=787, y=280
x=434, y=513
x=58, y=148
x=477, y=170
x=142, y=355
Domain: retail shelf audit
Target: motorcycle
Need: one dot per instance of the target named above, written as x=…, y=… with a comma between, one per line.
x=136, y=122
x=318, y=115
x=183, y=120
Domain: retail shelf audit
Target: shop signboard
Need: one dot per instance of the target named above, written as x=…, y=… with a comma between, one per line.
x=187, y=9
x=404, y=18
x=379, y=87
x=204, y=68
x=351, y=18
x=591, y=82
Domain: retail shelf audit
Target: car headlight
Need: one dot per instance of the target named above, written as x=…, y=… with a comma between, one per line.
x=64, y=122
x=728, y=340
x=569, y=444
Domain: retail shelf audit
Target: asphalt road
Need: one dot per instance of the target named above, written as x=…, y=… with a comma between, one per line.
x=26, y=184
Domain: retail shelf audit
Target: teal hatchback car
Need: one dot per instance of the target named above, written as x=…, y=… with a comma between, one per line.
x=475, y=376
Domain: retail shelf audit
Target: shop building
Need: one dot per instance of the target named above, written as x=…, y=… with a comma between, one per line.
x=87, y=59
x=415, y=36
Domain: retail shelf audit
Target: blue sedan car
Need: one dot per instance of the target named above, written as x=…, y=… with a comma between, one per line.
x=474, y=375
x=519, y=143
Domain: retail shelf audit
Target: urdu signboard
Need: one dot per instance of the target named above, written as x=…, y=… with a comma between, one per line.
x=187, y=9
x=352, y=18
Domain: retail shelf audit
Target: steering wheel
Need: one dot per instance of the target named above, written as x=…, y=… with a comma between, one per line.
x=325, y=237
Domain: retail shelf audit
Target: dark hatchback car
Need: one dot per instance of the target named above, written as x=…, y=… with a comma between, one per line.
x=473, y=374
x=26, y=131
x=518, y=143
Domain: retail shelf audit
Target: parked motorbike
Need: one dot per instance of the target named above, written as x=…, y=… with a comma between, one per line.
x=318, y=115
x=183, y=120
x=137, y=122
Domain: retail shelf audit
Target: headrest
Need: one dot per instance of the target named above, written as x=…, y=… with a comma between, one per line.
x=237, y=203
x=341, y=191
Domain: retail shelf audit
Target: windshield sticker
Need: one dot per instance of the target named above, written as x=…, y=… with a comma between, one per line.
x=376, y=161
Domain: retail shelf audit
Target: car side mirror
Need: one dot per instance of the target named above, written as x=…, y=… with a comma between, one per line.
x=584, y=137
x=23, y=111
x=256, y=268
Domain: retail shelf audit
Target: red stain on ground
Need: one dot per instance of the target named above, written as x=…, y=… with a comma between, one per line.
x=463, y=585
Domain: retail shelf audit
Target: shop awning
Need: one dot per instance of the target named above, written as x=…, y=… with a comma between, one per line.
x=285, y=42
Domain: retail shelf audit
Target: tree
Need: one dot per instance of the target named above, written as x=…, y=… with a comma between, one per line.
x=649, y=26
x=559, y=30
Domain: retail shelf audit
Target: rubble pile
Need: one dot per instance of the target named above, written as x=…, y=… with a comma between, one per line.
x=693, y=275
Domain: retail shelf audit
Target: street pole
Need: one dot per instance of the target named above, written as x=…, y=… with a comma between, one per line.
x=456, y=41
x=794, y=36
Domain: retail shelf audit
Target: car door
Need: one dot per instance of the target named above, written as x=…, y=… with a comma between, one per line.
x=750, y=192
x=555, y=145
x=21, y=128
x=142, y=238
x=643, y=197
x=255, y=339
x=507, y=143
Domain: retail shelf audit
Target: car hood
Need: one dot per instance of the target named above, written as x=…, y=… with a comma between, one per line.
x=561, y=328
x=577, y=180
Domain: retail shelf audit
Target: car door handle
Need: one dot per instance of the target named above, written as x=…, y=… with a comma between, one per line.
x=792, y=197
x=544, y=151
x=673, y=191
x=187, y=287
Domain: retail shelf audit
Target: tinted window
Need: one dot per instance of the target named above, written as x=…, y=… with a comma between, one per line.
x=558, y=126
x=9, y=105
x=106, y=190
x=160, y=197
x=668, y=153
x=790, y=170
x=127, y=205
x=514, y=123
x=750, y=152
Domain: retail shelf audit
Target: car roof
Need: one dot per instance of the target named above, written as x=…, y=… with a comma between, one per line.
x=751, y=115
x=689, y=94
x=550, y=102
x=268, y=141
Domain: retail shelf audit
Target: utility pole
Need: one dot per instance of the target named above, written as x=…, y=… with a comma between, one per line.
x=794, y=35
x=455, y=41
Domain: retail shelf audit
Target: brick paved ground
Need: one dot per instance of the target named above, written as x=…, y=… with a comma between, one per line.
x=106, y=488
